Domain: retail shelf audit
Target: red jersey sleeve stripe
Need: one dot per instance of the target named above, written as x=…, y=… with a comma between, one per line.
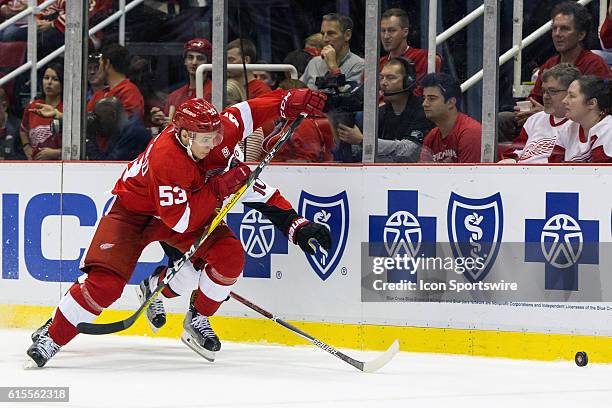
x=183, y=223
x=247, y=118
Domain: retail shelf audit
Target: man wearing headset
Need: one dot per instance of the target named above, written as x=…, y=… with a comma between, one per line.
x=402, y=124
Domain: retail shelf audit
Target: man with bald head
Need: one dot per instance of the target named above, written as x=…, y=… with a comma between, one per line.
x=112, y=134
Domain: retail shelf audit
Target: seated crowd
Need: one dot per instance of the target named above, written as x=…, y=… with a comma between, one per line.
x=419, y=117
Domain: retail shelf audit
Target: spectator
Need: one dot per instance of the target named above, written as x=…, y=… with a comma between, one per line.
x=141, y=75
x=571, y=23
x=115, y=136
x=95, y=81
x=234, y=92
x=51, y=24
x=8, y=10
x=10, y=142
x=39, y=143
x=251, y=146
x=402, y=124
x=268, y=77
x=336, y=57
x=313, y=44
x=456, y=137
x=299, y=59
x=539, y=134
x=114, y=65
x=394, y=30
x=243, y=51
x=312, y=141
x=589, y=137
x=605, y=34
x=196, y=52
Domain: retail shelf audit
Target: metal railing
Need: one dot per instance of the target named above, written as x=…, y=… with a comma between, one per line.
x=239, y=67
x=25, y=13
x=518, y=45
x=490, y=9
x=34, y=65
x=30, y=12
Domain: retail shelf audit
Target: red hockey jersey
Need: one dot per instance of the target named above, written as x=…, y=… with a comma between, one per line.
x=165, y=182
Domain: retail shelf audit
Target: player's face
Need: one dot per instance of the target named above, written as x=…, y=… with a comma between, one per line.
x=51, y=83
x=577, y=106
x=333, y=35
x=565, y=36
x=391, y=78
x=553, y=94
x=433, y=103
x=392, y=34
x=193, y=60
x=203, y=143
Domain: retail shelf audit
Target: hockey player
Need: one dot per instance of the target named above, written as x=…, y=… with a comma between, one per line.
x=169, y=193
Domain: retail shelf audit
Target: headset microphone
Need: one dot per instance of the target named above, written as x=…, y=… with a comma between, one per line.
x=409, y=82
x=401, y=91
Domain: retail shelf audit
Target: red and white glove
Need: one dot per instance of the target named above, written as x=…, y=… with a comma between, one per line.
x=304, y=100
x=226, y=184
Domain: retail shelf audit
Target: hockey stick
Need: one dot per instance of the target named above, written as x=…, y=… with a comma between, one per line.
x=107, y=328
x=365, y=366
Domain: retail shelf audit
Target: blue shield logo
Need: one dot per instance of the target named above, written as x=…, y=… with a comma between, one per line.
x=475, y=228
x=333, y=213
x=260, y=240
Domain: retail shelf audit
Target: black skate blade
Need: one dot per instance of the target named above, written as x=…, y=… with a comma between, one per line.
x=142, y=299
x=192, y=344
x=36, y=358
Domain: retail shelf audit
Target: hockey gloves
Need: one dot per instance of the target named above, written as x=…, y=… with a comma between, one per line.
x=223, y=185
x=302, y=232
x=304, y=100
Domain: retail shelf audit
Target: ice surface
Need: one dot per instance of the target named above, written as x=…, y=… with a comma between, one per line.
x=121, y=371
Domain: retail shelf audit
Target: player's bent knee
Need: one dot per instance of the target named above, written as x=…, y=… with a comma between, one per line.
x=103, y=286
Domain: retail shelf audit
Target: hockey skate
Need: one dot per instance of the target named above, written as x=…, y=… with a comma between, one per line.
x=43, y=348
x=156, y=314
x=41, y=330
x=199, y=336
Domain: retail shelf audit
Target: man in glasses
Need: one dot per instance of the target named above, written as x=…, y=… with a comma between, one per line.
x=538, y=136
x=170, y=193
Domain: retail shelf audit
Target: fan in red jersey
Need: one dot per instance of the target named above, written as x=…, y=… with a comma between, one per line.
x=169, y=194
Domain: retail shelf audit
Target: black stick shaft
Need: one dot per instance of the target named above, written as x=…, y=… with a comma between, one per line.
x=355, y=363
x=107, y=328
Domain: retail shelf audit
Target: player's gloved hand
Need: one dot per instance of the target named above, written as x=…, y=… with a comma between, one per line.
x=297, y=101
x=302, y=232
x=229, y=182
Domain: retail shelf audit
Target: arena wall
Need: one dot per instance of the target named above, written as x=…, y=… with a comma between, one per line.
x=49, y=212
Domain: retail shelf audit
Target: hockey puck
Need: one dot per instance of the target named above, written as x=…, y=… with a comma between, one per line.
x=581, y=359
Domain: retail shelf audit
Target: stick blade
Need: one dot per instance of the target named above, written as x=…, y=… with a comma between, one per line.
x=383, y=359
x=105, y=328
